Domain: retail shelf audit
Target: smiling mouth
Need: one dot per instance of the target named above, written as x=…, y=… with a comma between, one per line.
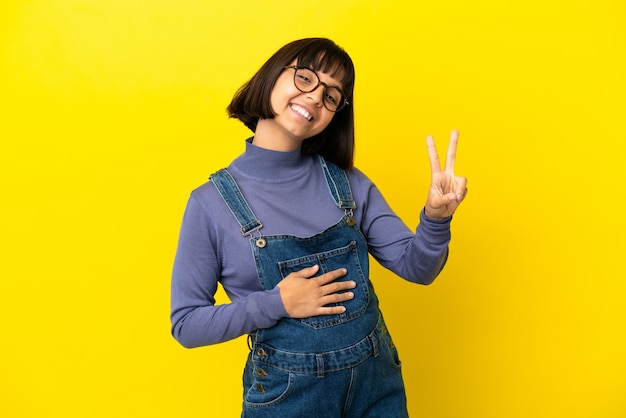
x=299, y=110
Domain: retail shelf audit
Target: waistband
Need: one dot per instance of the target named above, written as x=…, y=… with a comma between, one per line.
x=320, y=363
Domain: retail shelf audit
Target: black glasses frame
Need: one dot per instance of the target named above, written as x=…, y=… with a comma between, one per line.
x=340, y=106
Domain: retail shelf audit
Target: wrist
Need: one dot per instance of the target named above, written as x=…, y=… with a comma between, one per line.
x=428, y=215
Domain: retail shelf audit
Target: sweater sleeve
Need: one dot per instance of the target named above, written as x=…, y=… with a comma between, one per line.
x=417, y=257
x=196, y=319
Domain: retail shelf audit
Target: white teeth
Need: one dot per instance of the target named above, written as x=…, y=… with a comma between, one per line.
x=302, y=112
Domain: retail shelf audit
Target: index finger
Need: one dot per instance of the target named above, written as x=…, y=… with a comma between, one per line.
x=331, y=276
x=435, y=165
x=450, y=158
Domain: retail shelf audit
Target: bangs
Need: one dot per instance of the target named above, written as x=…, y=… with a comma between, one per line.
x=335, y=63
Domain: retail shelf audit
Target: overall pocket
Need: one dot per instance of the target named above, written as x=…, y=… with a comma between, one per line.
x=266, y=386
x=343, y=257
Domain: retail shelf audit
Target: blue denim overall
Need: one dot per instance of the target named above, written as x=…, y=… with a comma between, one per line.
x=342, y=365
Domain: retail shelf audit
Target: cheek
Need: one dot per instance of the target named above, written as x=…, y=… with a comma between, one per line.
x=281, y=94
x=324, y=122
x=328, y=118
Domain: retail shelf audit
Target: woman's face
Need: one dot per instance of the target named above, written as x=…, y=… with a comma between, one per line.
x=299, y=115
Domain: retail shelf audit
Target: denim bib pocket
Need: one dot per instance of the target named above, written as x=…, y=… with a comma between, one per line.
x=343, y=257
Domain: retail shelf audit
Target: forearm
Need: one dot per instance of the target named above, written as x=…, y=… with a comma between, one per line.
x=417, y=257
x=428, y=252
x=211, y=324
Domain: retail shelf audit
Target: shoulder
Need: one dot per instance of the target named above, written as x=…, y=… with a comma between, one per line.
x=358, y=179
x=206, y=211
x=206, y=197
x=204, y=192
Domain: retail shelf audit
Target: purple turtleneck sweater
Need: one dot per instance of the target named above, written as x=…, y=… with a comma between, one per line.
x=288, y=193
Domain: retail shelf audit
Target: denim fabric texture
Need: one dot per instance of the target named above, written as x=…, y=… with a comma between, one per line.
x=228, y=189
x=341, y=365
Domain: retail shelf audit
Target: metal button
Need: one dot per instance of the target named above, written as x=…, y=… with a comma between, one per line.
x=260, y=372
x=350, y=221
x=261, y=353
x=260, y=388
x=260, y=242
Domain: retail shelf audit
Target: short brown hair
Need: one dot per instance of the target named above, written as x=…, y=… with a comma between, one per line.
x=252, y=100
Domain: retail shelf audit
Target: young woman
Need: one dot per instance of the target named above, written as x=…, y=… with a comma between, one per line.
x=286, y=228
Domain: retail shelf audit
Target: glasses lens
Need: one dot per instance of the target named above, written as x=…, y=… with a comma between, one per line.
x=306, y=81
x=333, y=98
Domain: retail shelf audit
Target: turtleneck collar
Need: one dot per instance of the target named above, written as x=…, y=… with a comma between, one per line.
x=271, y=166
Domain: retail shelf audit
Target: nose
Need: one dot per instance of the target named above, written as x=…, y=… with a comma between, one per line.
x=317, y=94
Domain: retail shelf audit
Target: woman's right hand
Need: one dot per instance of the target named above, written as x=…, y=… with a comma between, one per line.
x=304, y=295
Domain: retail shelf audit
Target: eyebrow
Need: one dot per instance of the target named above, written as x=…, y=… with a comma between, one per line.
x=332, y=67
x=338, y=86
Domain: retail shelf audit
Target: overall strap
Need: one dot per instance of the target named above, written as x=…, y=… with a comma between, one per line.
x=338, y=185
x=230, y=192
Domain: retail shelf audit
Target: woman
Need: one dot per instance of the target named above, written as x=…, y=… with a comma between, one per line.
x=286, y=229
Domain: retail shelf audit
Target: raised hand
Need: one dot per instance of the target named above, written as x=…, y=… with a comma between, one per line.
x=447, y=190
x=304, y=295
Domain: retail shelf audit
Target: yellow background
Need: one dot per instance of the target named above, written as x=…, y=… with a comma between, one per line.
x=112, y=111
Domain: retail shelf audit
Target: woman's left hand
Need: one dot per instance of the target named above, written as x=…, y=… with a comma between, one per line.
x=447, y=190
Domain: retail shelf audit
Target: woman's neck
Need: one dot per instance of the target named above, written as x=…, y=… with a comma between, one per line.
x=269, y=136
x=269, y=165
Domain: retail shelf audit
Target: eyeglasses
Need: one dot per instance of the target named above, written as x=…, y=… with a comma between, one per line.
x=307, y=80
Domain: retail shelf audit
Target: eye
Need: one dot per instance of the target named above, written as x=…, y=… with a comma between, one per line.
x=302, y=78
x=333, y=96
